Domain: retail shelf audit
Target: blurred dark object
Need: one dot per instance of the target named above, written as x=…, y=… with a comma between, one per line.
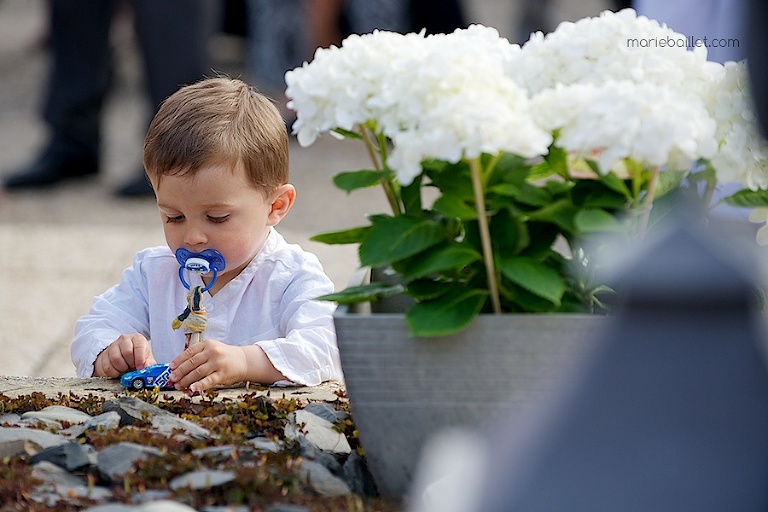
x=436, y=16
x=172, y=36
x=757, y=59
x=622, y=4
x=670, y=413
x=234, y=18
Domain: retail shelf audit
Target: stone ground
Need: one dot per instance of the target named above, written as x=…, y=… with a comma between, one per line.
x=60, y=247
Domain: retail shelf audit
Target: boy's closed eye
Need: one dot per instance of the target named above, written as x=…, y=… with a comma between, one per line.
x=178, y=218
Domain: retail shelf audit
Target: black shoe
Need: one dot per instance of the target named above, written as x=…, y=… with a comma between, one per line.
x=52, y=166
x=136, y=188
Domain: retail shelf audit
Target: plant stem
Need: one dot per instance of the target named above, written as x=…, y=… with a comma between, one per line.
x=648, y=201
x=485, y=234
x=386, y=184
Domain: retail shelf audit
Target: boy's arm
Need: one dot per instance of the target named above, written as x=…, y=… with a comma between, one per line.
x=307, y=352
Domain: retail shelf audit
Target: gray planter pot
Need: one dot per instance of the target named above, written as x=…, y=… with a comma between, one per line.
x=402, y=390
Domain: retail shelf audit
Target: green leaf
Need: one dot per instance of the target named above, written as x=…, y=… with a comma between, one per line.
x=749, y=198
x=558, y=160
x=451, y=256
x=446, y=315
x=534, y=276
x=453, y=206
x=592, y=220
x=509, y=169
x=509, y=234
x=411, y=196
x=353, y=180
x=393, y=238
x=363, y=293
x=560, y=213
x=616, y=184
x=347, y=134
x=668, y=181
x=540, y=171
x=347, y=236
x=426, y=289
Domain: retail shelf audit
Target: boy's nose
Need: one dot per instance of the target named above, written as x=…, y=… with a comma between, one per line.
x=194, y=236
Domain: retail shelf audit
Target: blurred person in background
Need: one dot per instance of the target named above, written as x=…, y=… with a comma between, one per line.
x=285, y=33
x=173, y=36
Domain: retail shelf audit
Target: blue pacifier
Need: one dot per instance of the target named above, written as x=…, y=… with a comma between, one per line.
x=200, y=263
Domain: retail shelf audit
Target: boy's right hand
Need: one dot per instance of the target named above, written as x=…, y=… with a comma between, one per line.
x=128, y=352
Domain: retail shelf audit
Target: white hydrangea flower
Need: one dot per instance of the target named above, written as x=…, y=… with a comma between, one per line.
x=613, y=46
x=743, y=152
x=610, y=122
x=338, y=89
x=441, y=96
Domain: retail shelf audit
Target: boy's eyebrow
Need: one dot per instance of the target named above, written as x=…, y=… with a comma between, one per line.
x=218, y=204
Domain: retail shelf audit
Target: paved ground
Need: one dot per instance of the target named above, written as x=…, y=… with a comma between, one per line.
x=60, y=247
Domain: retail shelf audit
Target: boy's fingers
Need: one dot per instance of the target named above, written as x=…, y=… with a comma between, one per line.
x=142, y=355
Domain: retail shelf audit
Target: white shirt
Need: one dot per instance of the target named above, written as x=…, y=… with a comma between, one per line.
x=270, y=304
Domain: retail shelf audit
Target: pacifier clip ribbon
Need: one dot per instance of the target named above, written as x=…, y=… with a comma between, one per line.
x=194, y=319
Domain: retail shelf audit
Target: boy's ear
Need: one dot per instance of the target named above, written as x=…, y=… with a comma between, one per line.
x=281, y=201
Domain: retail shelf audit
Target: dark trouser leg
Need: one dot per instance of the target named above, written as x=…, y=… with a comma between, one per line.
x=173, y=35
x=80, y=72
x=77, y=83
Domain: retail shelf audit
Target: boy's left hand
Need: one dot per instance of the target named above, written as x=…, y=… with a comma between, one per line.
x=207, y=364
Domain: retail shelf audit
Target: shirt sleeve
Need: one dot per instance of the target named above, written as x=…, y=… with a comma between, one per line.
x=307, y=353
x=120, y=310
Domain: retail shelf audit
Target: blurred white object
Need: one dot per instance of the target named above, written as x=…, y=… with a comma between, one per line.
x=450, y=473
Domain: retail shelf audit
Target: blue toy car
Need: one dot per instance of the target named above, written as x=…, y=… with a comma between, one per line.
x=151, y=376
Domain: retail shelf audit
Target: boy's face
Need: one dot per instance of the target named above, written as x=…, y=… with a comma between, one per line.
x=218, y=208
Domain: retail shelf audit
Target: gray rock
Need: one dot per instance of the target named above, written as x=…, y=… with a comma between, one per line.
x=202, y=479
x=10, y=419
x=56, y=414
x=264, y=444
x=70, y=456
x=326, y=411
x=116, y=460
x=318, y=478
x=42, y=438
x=131, y=409
x=167, y=424
x=218, y=453
x=107, y=421
x=225, y=508
x=358, y=477
x=282, y=507
x=42, y=423
x=311, y=452
x=151, y=495
x=317, y=430
x=154, y=506
x=59, y=484
x=18, y=447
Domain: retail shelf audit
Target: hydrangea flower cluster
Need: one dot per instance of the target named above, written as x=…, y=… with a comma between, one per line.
x=618, y=46
x=443, y=97
x=617, y=86
x=743, y=152
x=577, y=132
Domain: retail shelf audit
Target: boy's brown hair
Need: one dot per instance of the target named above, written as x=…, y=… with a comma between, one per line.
x=215, y=121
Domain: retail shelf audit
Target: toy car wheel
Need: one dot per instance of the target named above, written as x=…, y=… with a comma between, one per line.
x=137, y=384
